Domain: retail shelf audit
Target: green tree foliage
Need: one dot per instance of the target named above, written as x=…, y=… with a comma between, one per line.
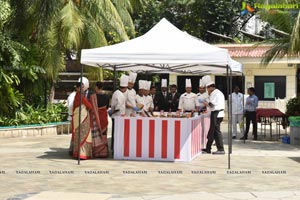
x=58, y=27
x=10, y=56
x=193, y=16
x=285, y=40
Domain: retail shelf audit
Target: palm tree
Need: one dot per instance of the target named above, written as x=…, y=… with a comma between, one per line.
x=285, y=27
x=60, y=26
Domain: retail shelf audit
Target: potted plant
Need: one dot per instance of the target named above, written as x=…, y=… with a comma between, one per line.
x=293, y=114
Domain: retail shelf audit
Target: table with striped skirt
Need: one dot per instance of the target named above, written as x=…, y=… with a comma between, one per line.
x=160, y=139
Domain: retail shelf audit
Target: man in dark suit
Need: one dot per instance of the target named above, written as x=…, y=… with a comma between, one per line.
x=154, y=97
x=163, y=103
x=173, y=98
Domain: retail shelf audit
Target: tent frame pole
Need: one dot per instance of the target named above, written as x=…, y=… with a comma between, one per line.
x=79, y=118
x=115, y=77
x=230, y=112
x=227, y=80
x=244, y=92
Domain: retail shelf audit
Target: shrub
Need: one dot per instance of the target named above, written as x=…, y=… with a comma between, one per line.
x=36, y=115
x=293, y=107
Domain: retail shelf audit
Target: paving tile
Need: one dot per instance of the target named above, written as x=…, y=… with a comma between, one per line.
x=68, y=196
x=50, y=153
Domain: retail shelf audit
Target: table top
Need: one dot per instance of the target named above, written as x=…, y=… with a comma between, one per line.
x=269, y=112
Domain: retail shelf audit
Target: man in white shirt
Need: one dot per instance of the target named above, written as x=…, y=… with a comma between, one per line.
x=70, y=101
x=202, y=96
x=130, y=95
x=188, y=101
x=216, y=106
x=237, y=110
x=118, y=104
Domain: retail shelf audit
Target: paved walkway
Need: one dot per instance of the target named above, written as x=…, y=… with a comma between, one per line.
x=38, y=168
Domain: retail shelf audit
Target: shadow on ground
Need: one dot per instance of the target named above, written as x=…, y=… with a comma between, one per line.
x=56, y=153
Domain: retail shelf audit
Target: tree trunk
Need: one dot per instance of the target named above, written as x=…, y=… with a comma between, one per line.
x=52, y=93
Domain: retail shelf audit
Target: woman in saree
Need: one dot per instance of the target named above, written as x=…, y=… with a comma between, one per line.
x=86, y=143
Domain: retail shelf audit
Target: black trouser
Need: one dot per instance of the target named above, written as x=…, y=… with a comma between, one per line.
x=214, y=132
x=112, y=134
x=251, y=116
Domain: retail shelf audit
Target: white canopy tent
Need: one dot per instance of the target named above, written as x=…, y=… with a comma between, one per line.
x=164, y=48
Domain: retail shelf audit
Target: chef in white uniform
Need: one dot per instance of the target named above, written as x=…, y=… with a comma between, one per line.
x=237, y=110
x=202, y=96
x=130, y=95
x=118, y=101
x=149, y=106
x=140, y=97
x=188, y=101
x=118, y=105
x=216, y=106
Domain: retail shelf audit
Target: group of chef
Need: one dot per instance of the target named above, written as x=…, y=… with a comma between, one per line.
x=126, y=102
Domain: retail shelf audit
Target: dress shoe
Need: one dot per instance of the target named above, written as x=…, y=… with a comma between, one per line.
x=218, y=152
x=234, y=137
x=243, y=138
x=204, y=151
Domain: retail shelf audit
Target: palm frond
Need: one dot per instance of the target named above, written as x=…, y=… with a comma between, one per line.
x=124, y=9
x=93, y=35
x=280, y=48
x=5, y=13
x=72, y=25
x=107, y=16
x=41, y=13
x=295, y=38
x=53, y=52
x=282, y=20
x=138, y=5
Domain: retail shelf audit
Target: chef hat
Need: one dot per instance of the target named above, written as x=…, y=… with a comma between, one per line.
x=201, y=84
x=142, y=84
x=210, y=83
x=124, y=81
x=164, y=83
x=132, y=77
x=148, y=85
x=188, y=83
x=206, y=79
x=85, y=83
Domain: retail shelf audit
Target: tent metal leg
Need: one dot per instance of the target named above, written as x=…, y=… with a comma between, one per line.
x=244, y=91
x=230, y=112
x=115, y=78
x=79, y=118
x=227, y=77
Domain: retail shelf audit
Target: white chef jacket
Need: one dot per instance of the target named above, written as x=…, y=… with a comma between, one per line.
x=218, y=100
x=148, y=103
x=204, y=96
x=70, y=102
x=130, y=99
x=188, y=102
x=118, y=103
x=237, y=103
x=140, y=99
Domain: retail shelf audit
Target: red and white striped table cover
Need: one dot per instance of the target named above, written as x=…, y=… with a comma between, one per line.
x=161, y=139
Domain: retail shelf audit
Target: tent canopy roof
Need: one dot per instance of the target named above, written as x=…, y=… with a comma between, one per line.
x=164, y=48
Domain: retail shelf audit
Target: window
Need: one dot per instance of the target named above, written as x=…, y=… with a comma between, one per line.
x=221, y=83
x=270, y=87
